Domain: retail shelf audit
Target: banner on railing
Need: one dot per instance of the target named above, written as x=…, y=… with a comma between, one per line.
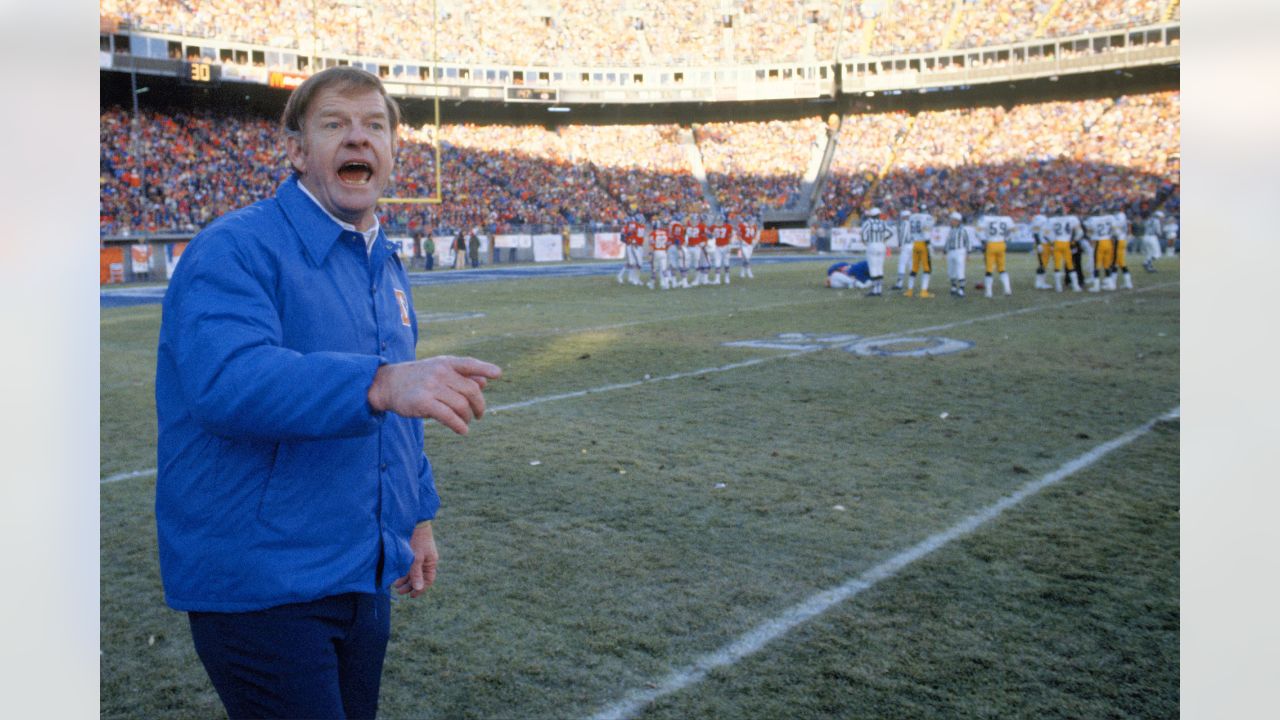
x=140, y=255
x=795, y=237
x=608, y=246
x=511, y=241
x=845, y=239
x=172, y=254
x=548, y=248
x=112, y=264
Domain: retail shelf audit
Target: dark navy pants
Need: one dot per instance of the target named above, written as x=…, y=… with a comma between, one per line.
x=320, y=659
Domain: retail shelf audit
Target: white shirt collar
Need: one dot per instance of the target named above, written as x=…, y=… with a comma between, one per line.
x=370, y=235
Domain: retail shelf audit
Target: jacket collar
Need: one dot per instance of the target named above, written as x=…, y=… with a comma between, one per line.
x=314, y=226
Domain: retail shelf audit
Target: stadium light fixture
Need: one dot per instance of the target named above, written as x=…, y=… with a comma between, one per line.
x=557, y=109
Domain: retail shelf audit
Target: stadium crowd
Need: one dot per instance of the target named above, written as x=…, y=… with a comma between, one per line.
x=1083, y=153
x=758, y=164
x=176, y=171
x=600, y=33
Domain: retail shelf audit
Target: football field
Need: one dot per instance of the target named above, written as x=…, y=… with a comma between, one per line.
x=762, y=500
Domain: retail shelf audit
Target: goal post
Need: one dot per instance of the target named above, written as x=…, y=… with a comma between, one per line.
x=438, y=197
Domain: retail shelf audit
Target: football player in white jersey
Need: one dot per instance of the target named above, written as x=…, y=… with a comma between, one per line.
x=1101, y=235
x=1120, y=226
x=1064, y=229
x=921, y=228
x=995, y=230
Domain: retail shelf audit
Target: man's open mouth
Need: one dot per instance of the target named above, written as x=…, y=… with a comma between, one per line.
x=355, y=172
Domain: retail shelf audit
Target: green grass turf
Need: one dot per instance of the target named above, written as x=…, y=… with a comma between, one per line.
x=619, y=557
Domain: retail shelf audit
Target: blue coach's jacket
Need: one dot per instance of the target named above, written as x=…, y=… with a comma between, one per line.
x=277, y=482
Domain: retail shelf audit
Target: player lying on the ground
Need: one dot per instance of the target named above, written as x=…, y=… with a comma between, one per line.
x=848, y=275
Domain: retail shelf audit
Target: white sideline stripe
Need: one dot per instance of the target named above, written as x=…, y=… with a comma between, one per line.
x=128, y=475
x=735, y=366
x=765, y=633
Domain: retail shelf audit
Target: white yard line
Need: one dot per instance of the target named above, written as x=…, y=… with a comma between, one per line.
x=742, y=364
x=128, y=475
x=624, y=386
x=784, y=356
x=632, y=323
x=770, y=630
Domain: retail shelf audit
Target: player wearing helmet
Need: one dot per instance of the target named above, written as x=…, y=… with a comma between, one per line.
x=660, y=262
x=1120, y=267
x=748, y=232
x=920, y=226
x=677, y=233
x=995, y=230
x=1099, y=226
x=1064, y=229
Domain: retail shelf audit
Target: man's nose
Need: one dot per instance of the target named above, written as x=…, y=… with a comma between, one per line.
x=358, y=134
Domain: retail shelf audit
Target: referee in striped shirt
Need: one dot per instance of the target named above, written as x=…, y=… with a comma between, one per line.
x=874, y=235
x=959, y=243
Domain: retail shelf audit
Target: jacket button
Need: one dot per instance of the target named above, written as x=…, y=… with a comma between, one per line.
x=383, y=467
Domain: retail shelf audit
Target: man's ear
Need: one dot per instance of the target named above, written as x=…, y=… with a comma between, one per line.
x=297, y=152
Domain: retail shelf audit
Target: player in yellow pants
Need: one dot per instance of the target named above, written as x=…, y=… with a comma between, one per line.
x=994, y=252
x=1061, y=257
x=995, y=230
x=1104, y=258
x=920, y=228
x=1065, y=229
x=1121, y=267
x=920, y=265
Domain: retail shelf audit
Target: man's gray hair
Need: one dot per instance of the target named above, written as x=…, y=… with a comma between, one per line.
x=343, y=77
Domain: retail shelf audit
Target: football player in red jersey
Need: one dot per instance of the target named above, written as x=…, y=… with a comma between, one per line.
x=721, y=233
x=660, y=262
x=633, y=246
x=696, y=251
x=677, y=232
x=748, y=233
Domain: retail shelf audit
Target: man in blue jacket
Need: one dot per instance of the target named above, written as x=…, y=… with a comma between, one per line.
x=293, y=494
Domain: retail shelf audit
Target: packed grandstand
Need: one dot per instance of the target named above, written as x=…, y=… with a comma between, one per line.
x=176, y=168
x=630, y=32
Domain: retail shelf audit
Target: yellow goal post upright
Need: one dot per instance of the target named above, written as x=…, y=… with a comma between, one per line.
x=438, y=197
